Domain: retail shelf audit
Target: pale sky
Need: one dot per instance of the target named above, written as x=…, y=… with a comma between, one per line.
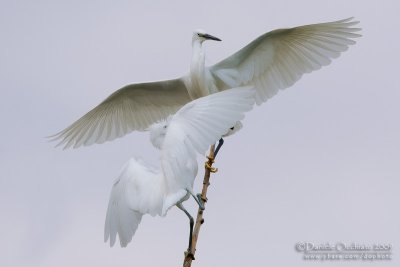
x=319, y=162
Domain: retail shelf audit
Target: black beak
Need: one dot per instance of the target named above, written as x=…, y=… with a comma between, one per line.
x=210, y=37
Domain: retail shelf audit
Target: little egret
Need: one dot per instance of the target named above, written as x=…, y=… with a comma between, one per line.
x=273, y=61
x=140, y=189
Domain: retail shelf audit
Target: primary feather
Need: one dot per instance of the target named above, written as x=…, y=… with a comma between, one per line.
x=277, y=59
x=138, y=190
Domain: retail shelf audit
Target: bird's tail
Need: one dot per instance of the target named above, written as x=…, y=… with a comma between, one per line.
x=137, y=191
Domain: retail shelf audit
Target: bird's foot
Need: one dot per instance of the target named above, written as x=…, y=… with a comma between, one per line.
x=208, y=164
x=210, y=168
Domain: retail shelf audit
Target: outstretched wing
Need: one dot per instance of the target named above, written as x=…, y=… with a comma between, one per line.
x=133, y=107
x=277, y=59
x=137, y=191
x=193, y=129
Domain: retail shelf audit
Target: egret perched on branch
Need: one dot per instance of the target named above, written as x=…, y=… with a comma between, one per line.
x=140, y=189
x=273, y=61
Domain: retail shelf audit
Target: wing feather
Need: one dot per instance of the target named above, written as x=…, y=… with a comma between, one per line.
x=277, y=59
x=133, y=107
x=193, y=129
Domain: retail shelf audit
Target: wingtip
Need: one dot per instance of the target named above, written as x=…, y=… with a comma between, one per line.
x=345, y=20
x=57, y=137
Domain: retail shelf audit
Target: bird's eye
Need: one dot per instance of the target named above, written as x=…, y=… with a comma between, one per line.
x=198, y=34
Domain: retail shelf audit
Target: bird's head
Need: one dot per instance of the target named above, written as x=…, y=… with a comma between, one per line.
x=201, y=36
x=158, y=131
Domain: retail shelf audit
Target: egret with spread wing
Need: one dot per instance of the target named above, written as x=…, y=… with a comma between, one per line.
x=273, y=61
x=140, y=189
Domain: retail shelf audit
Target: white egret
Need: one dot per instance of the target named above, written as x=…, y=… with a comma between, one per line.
x=273, y=61
x=141, y=189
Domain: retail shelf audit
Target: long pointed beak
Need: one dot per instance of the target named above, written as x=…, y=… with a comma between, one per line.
x=210, y=37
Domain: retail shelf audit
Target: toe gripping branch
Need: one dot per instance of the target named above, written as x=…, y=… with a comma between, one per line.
x=210, y=158
x=208, y=165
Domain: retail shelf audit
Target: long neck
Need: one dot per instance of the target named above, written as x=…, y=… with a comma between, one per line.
x=197, y=72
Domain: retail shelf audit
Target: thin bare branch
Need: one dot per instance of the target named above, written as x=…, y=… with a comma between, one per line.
x=189, y=256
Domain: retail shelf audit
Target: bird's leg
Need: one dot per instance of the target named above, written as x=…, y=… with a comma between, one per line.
x=198, y=199
x=189, y=250
x=220, y=143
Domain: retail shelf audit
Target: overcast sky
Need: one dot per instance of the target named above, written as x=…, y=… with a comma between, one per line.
x=319, y=162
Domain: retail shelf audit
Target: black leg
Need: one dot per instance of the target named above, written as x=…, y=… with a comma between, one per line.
x=220, y=143
x=180, y=206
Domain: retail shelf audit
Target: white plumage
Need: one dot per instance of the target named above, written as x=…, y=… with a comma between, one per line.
x=140, y=189
x=273, y=61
